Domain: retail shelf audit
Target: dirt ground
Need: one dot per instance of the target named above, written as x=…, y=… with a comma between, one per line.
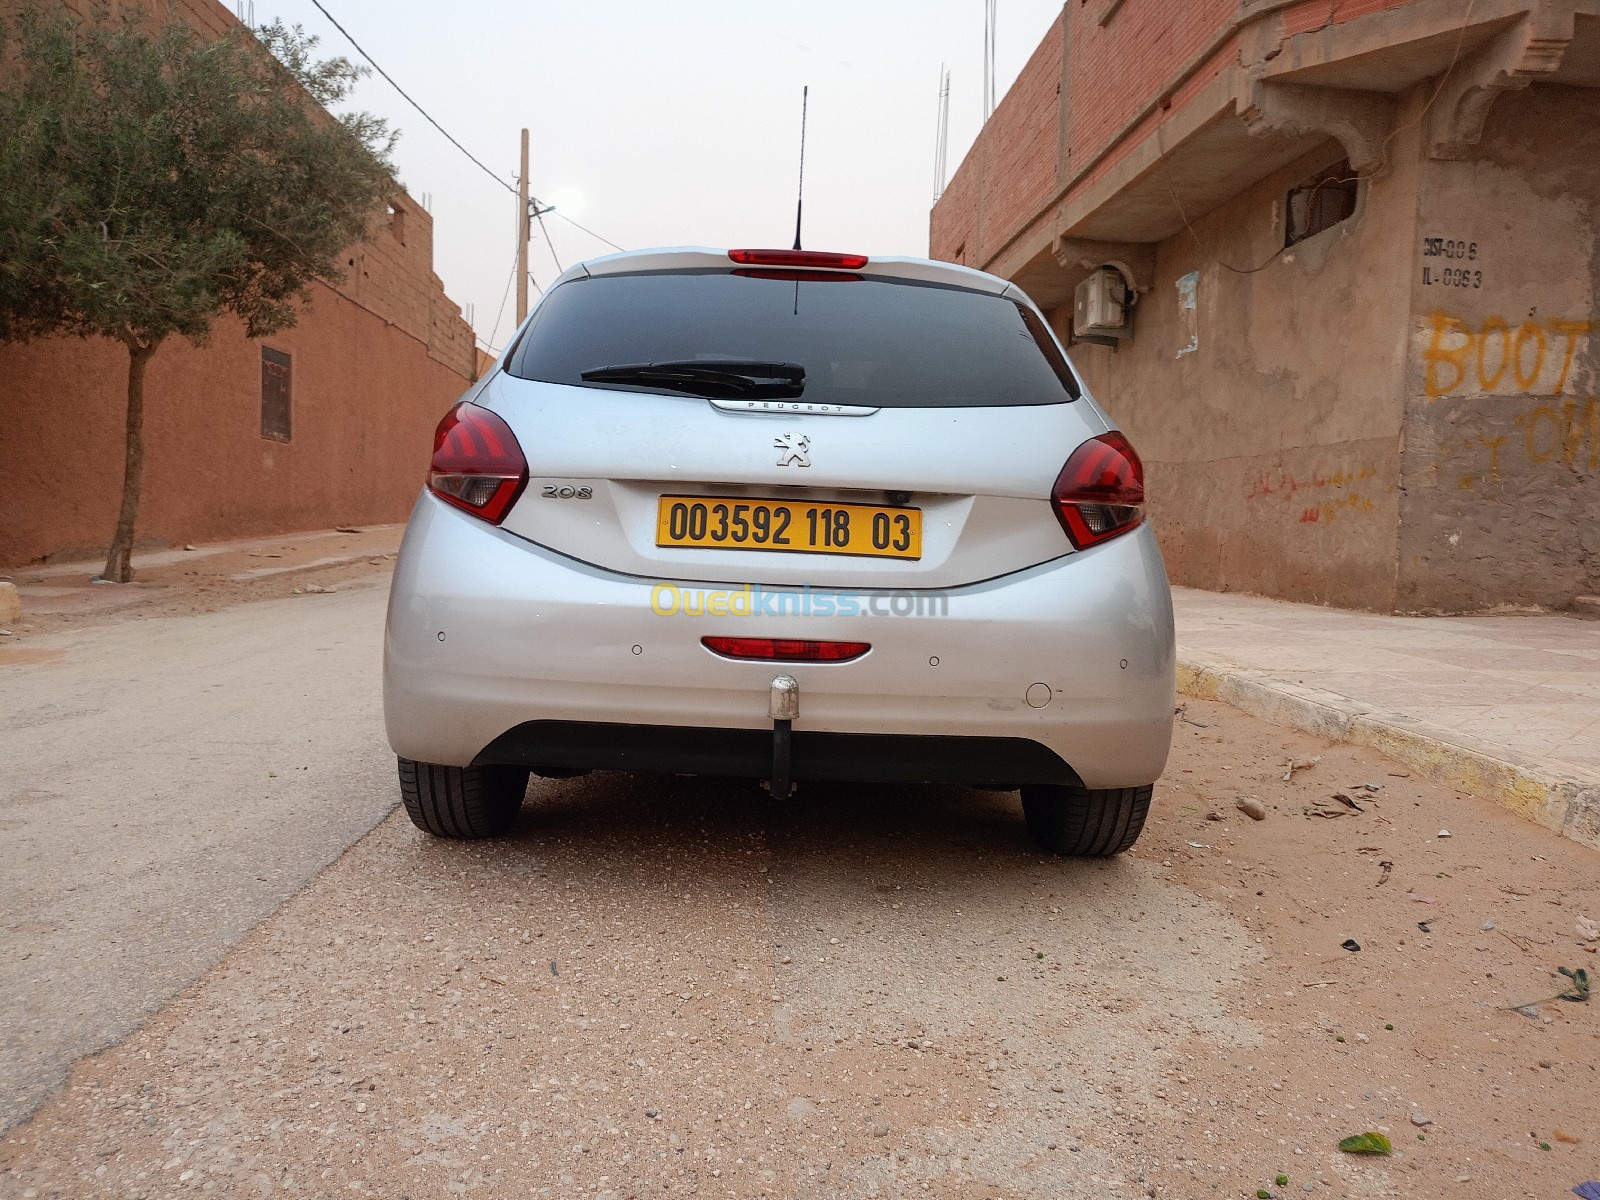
x=63, y=597
x=671, y=987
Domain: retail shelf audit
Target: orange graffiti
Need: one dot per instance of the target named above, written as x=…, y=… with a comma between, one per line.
x=1571, y=330
x=1570, y=430
x=1496, y=325
x=1569, y=436
x=1527, y=332
x=1532, y=422
x=1578, y=428
x=1494, y=350
x=1440, y=355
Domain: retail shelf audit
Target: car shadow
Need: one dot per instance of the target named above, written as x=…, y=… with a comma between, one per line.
x=630, y=824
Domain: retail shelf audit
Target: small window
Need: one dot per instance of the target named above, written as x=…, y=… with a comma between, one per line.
x=397, y=222
x=275, y=392
x=1321, y=202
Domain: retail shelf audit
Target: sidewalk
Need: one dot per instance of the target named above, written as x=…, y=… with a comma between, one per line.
x=64, y=589
x=1506, y=707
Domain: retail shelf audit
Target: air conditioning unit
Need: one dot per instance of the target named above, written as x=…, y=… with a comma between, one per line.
x=1100, y=306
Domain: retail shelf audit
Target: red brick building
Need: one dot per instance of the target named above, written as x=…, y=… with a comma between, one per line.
x=327, y=423
x=1346, y=256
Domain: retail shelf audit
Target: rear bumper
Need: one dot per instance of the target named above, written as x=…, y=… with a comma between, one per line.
x=490, y=637
x=747, y=753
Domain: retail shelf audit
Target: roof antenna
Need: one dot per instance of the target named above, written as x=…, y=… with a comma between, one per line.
x=801, y=190
x=941, y=152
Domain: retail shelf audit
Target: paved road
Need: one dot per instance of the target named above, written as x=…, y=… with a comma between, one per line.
x=169, y=782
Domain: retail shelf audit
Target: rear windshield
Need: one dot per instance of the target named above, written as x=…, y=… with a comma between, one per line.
x=861, y=341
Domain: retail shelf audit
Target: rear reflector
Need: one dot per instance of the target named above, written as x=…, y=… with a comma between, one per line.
x=785, y=649
x=798, y=258
x=1100, y=492
x=477, y=465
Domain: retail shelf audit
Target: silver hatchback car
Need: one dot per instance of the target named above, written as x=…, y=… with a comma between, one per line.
x=783, y=515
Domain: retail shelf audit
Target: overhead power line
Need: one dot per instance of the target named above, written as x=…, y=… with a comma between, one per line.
x=585, y=228
x=548, y=244
x=495, y=332
x=510, y=187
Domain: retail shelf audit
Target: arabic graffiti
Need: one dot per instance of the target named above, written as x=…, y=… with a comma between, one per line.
x=1284, y=485
x=1329, y=509
x=1283, y=482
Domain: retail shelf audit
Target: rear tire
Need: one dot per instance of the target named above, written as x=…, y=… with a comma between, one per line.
x=462, y=802
x=1085, y=822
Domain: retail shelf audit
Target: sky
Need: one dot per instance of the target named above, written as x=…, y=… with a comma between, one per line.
x=669, y=123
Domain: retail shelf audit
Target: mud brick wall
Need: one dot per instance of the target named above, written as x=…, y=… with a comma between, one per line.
x=375, y=359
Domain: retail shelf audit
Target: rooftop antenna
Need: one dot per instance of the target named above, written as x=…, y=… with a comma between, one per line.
x=801, y=190
x=991, y=11
x=941, y=135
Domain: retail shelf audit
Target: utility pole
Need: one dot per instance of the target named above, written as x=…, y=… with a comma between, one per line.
x=524, y=222
x=991, y=14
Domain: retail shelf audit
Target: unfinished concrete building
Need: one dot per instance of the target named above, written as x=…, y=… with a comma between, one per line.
x=1333, y=264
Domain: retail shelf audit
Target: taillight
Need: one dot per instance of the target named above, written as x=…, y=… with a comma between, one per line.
x=798, y=258
x=1100, y=492
x=785, y=649
x=477, y=464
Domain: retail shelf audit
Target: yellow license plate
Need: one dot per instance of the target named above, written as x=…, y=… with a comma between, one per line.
x=876, y=531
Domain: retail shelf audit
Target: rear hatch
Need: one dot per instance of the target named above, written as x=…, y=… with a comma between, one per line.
x=841, y=429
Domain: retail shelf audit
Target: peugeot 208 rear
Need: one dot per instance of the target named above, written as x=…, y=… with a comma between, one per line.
x=783, y=515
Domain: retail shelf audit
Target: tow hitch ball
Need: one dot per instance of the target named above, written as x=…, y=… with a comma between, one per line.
x=783, y=706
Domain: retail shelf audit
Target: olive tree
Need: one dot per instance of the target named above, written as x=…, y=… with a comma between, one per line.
x=153, y=180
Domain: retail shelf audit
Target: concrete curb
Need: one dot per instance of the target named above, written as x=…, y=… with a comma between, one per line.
x=47, y=599
x=1563, y=800
x=333, y=560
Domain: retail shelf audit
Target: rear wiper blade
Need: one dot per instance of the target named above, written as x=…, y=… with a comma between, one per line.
x=735, y=377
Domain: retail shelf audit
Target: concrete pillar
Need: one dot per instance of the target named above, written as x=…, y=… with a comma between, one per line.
x=1501, y=459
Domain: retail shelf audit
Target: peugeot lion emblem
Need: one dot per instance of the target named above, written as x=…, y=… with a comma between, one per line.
x=795, y=450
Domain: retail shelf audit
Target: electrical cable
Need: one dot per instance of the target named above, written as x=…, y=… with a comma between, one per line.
x=510, y=187
x=504, y=296
x=587, y=230
x=548, y=244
